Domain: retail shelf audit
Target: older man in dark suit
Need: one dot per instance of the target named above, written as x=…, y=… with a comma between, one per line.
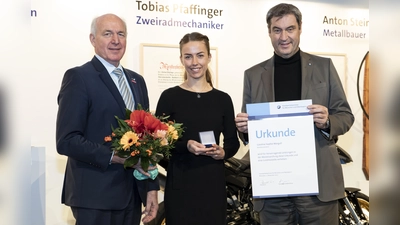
x=96, y=186
x=292, y=75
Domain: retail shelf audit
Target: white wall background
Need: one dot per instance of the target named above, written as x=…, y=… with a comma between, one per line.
x=60, y=40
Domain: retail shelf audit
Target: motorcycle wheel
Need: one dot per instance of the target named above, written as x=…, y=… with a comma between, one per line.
x=364, y=203
x=160, y=218
x=344, y=215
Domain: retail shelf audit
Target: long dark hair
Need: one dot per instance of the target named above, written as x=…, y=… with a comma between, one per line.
x=195, y=36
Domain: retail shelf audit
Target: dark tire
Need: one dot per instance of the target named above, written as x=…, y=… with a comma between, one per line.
x=363, y=200
x=160, y=218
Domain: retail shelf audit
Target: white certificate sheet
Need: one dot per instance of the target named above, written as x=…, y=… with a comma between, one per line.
x=282, y=149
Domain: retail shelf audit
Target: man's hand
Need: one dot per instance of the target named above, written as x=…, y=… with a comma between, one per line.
x=241, y=122
x=320, y=114
x=150, y=212
x=117, y=159
x=139, y=168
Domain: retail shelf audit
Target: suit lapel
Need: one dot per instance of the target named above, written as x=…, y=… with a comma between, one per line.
x=306, y=72
x=105, y=77
x=267, y=82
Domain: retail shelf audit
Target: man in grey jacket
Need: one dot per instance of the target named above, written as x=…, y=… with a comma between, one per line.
x=293, y=75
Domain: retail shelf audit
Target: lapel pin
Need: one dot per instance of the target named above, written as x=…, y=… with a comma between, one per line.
x=133, y=80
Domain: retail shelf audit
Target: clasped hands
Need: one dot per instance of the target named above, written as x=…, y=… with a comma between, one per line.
x=215, y=151
x=320, y=114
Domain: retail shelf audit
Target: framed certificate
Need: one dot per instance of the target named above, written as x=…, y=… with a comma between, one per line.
x=282, y=149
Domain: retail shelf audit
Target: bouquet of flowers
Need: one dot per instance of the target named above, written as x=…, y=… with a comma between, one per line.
x=144, y=138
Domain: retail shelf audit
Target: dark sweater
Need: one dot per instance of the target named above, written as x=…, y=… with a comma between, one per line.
x=287, y=77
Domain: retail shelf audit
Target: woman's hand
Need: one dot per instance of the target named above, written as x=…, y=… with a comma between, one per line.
x=197, y=148
x=217, y=152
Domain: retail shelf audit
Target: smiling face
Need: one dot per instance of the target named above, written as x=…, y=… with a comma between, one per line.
x=195, y=58
x=285, y=35
x=109, y=38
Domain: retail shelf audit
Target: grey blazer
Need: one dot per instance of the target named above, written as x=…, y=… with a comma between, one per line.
x=321, y=83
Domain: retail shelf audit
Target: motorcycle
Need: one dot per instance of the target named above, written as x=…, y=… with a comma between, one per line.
x=353, y=209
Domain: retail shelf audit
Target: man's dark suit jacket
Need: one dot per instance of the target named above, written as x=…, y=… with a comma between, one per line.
x=88, y=103
x=321, y=83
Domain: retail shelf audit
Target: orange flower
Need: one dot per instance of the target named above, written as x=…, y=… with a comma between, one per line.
x=128, y=139
x=107, y=139
x=134, y=153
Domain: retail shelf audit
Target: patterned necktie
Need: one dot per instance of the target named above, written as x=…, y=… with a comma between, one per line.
x=125, y=93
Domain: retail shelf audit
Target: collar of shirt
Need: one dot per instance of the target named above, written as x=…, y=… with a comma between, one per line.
x=110, y=68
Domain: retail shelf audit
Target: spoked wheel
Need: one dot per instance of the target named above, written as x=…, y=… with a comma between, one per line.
x=361, y=207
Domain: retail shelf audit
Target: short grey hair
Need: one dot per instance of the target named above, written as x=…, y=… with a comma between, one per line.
x=93, y=26
x=284, y=9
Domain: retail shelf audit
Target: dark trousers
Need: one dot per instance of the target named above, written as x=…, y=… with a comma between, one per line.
x=131, y=215
x=303, y=210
